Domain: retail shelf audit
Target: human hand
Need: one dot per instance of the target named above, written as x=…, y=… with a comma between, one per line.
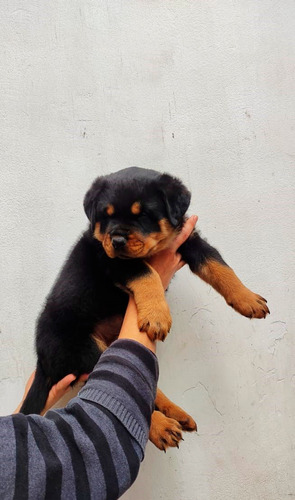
x=168, y=261
x=56, y=392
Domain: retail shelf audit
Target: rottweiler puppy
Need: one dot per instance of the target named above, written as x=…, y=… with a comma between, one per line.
x=133, y=214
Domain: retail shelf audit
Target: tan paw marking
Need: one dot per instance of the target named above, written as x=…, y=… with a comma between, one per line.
x=249, y=304
x=184, y=419
x=155, y=319
x=165, y=432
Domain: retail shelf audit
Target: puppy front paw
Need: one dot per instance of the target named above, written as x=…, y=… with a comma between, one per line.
x=155, y=320
x=249, y=304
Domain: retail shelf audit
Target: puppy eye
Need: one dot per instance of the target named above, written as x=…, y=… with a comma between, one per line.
x=143, y=213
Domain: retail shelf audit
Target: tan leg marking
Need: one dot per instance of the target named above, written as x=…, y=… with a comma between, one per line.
x=100, y=344
x=106, y=331
x=153, y=312
x=164, y=431
x=173, y=411
x=226, y=282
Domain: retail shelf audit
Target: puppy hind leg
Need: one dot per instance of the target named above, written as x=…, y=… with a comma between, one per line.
x=171, y=410
x=167, y=423
x=165, y=432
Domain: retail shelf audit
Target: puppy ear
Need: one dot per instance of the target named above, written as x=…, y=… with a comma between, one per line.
x=91, y=200
x=176, y=198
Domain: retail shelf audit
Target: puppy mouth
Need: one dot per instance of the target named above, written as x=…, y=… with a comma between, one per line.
x=135, y=247
x=131, y=250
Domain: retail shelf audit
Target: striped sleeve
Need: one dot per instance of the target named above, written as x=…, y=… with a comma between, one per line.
x=91, y=449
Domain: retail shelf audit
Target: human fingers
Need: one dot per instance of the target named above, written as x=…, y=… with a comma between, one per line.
x=84, y=377
x=58, y=391
x=61, y=388
x=184, y=233
x=180, y=264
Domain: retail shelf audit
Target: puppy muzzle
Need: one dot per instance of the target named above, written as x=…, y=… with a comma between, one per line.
x=119, y=242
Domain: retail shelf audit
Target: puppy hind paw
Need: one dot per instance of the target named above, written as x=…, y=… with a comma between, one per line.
x=182, y=417
x=165, y=432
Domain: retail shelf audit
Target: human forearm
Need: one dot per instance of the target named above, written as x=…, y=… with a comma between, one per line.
x=102, y=431
x=130, y=330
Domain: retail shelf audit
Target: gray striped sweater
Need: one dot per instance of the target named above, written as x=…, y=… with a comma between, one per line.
x=91, y=449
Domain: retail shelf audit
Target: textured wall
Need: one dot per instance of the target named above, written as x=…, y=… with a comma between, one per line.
x=201, y=89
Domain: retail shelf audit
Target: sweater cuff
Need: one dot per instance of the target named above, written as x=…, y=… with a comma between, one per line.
x=124, y=381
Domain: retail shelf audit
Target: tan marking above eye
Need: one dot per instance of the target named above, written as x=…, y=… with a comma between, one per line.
x=110, y=209
x=136, y=208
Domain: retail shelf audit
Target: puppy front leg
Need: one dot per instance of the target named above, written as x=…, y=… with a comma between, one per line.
x=153, y=312
x=207, y=263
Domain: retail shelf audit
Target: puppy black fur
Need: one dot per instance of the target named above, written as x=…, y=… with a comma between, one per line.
x=133, y=213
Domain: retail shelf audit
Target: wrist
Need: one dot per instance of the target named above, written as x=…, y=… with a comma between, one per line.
x=130, y=329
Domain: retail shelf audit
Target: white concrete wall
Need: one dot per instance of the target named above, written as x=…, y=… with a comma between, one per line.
x=201, y=89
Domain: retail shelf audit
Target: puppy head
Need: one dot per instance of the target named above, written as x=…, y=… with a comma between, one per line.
x=136, y=212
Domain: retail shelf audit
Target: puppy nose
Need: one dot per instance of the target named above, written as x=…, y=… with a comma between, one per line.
x=118, y=242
